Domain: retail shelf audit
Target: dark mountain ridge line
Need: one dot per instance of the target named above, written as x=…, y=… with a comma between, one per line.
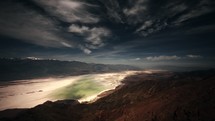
x=164, y=96
x=22, y=69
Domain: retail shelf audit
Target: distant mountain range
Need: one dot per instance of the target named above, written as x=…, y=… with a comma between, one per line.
x=19, y=69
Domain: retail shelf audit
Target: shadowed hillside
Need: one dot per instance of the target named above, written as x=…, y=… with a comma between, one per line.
x=161, y=96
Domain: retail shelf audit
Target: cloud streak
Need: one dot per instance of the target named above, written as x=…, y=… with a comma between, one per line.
x=173, y=14
x=69, y=10
x=172, y=58
x=31, y=27
x=138, y=7
x=94, y=36
x=136, y=59
x=162, y=58
x=194, y=56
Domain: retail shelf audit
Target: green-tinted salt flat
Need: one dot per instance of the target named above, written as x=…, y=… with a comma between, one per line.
x=82, y=88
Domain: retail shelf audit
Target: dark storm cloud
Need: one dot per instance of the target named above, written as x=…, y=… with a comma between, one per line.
x=113, y=29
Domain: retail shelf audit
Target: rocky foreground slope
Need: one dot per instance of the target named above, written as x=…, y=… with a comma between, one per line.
x=162, y=96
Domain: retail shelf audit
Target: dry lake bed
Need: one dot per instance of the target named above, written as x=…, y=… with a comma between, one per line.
x=29, y=93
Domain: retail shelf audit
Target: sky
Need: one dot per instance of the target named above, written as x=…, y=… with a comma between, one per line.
x=145, y=33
